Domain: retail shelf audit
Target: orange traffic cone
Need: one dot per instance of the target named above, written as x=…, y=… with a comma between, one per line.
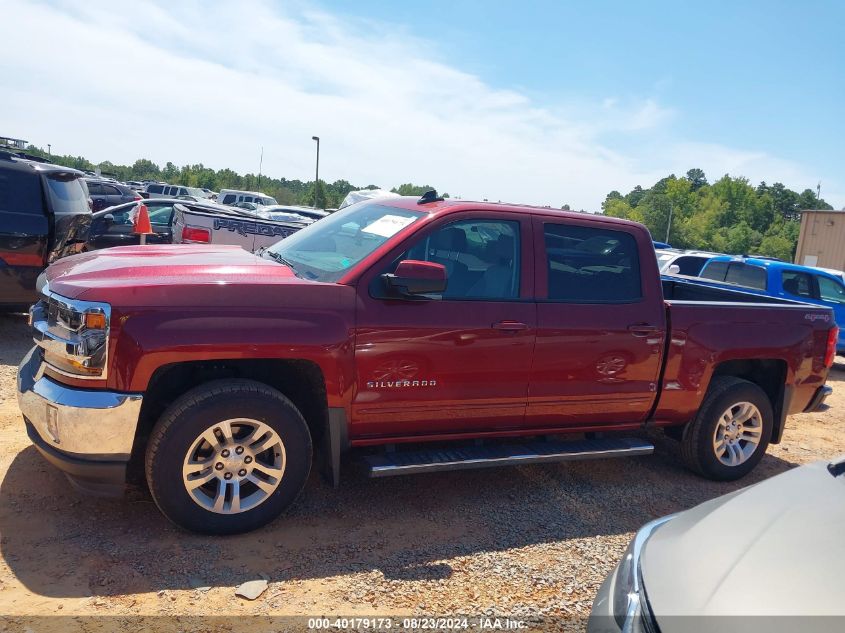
x=142, y=224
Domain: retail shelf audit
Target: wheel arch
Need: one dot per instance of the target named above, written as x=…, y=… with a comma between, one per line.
x=301, y=381
x=770, y=375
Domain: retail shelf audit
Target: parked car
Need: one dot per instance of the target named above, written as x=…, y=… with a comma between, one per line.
x=680, y=262
x=114, y=226
x=44, y=215
x=231, y=196
x=425, y=334
x=160, y=190
x=308, y=212
x=108, y=194
x=222, y=224
x=775, y=278
x=774, y=549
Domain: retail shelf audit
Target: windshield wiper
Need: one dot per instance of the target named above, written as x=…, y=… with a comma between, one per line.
x=274, y=255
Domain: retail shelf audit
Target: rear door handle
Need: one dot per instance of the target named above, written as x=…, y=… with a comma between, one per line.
x=642, y=329
x=510, y=326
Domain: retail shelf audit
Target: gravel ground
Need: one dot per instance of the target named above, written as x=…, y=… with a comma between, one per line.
x=527, y=542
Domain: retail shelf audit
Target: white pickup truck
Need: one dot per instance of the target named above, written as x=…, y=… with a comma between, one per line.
x=251, y=230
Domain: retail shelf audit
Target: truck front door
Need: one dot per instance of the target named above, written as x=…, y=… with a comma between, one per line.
x=454, y=362
x=600, y=325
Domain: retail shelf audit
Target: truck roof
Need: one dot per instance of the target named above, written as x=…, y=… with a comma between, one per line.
x=768, y=263
x=450, y=205
x=13, y=161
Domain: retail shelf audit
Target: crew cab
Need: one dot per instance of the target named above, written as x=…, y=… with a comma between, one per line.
x=781, y=279
x=44, y=215
x=422, y=335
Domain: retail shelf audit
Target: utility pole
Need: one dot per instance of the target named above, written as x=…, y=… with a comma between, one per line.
x=669, y=225
x=819, y=191
x=317, y=171
x=260, y=165
x=49, y=152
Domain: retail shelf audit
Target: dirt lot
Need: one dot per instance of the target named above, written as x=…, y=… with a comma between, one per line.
x=528, y=541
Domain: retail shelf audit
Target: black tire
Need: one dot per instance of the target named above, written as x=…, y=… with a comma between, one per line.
x=183, y=422
x=697, y=448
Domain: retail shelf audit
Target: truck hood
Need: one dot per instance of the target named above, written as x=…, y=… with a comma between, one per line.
x=775, y=548
x=129, y=270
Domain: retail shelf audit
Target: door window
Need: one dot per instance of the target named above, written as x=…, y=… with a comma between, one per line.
x=481, y=258
x=831, y=290
x=591, y=265
x=690, y=264
x=797, y=283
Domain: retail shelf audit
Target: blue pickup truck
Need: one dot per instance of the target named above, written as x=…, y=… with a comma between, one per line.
x=780, y=279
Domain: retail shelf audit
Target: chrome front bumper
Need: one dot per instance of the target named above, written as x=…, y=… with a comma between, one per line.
x=76, y=426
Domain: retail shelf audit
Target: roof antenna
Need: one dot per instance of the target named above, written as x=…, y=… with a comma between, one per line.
x=430, y=196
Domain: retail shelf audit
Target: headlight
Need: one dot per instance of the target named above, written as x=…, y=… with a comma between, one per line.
x=628, y=596
x=73, y=334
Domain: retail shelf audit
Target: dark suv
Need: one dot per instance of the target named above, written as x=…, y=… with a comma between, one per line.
x=105, y=193
x=44, y=215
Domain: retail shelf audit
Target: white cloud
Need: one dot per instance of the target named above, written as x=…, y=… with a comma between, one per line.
x=212, y=82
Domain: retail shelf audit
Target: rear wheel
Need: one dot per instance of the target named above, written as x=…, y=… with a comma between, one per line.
x=228, y=457
x=731, y=431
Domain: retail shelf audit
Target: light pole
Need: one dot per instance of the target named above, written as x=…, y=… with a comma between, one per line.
x=49, y=152
x=669, y=225
x=317, y=171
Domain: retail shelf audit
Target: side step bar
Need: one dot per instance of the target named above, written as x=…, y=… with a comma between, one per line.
x=532, y=452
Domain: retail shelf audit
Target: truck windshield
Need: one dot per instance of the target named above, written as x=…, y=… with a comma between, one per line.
x=325, y=250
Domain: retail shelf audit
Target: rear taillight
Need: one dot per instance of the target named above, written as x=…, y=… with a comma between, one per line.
x=832, y=340
x=138, y=197
x=194, y=234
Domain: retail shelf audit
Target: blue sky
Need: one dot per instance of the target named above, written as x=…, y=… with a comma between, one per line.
x=538, y=102
x=763, y=75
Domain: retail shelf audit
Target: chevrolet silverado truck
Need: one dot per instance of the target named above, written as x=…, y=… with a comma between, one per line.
x=422, y=335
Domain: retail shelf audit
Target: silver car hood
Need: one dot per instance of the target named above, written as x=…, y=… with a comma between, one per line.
x=775, y=548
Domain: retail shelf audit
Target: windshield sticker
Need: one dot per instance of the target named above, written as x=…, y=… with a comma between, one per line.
x=388, y=225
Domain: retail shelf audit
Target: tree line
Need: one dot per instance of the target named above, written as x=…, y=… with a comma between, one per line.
x=293, y=192
x=727, y=216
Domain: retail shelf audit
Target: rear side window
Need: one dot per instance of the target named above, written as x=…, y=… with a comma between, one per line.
x=66, y=195
x=589, y=265
x=229, y=198
x=20, y=192
x=746, y=275
x=155, y=189
x=797, y=284
x=715, y=271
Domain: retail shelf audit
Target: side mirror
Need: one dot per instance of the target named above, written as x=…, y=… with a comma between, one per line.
x=414, y=277
x=674, y=269
x=108, y=218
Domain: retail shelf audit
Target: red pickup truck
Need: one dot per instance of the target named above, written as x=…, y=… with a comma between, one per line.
x=425, y=334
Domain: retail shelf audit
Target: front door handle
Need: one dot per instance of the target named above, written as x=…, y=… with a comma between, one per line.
x=510, y=326
x=642, y=329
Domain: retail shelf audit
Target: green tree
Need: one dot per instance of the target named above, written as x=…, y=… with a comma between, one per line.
x=696, y=178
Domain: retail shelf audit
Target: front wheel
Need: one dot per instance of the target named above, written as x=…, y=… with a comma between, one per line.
x=731, y=431
x=228, y=457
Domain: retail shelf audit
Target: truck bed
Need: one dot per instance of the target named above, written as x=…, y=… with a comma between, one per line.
x=711, y=326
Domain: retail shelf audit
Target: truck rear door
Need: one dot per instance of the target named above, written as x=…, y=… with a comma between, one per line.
x=455, y=362
x=601, y=324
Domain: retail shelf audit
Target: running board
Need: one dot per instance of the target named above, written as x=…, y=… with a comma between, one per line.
x=532, y=452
